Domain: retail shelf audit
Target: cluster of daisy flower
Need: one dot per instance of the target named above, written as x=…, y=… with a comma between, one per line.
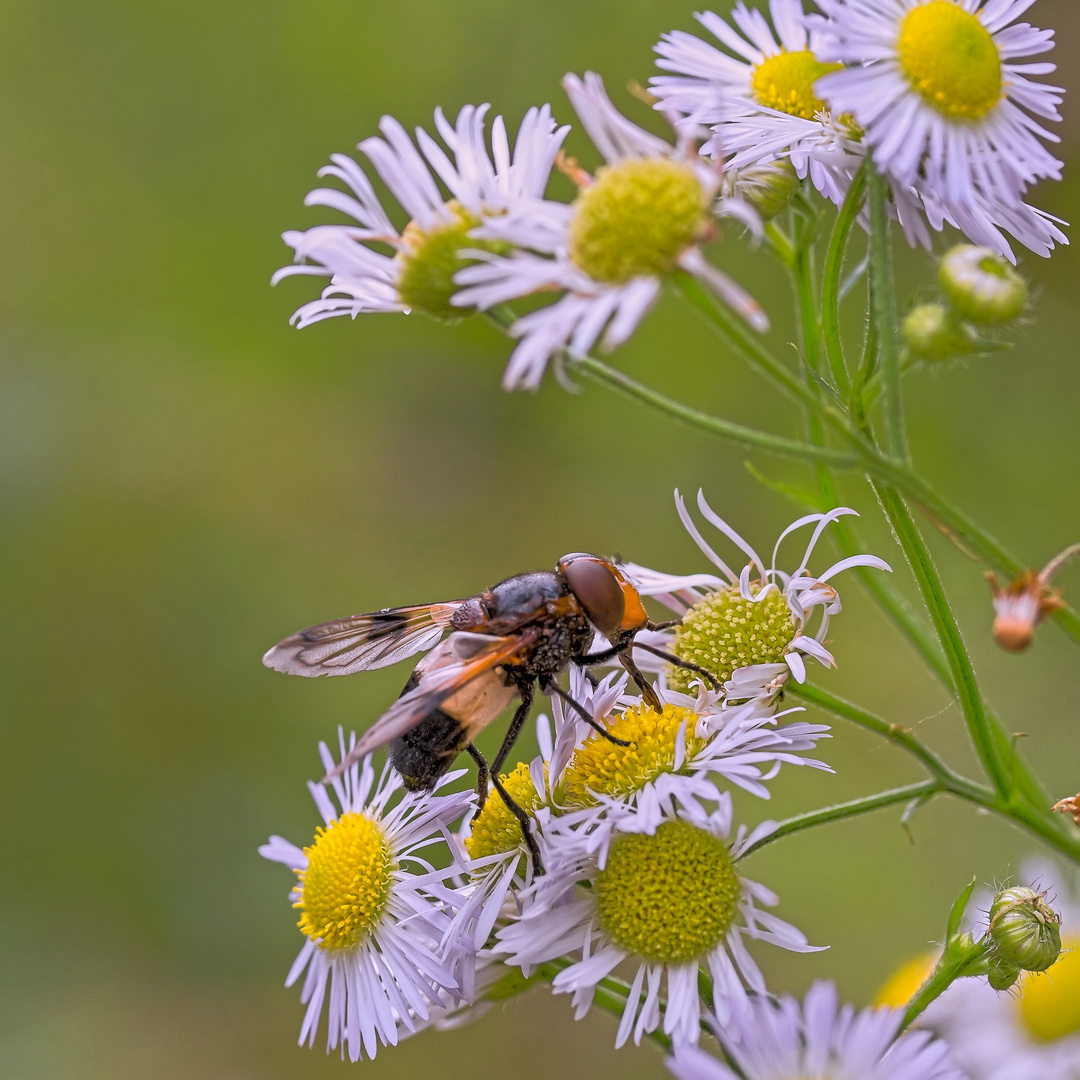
x=417, y=908
x=937, y=96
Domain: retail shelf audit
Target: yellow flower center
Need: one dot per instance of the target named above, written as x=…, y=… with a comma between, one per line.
x=951, y=59
x=343, y=890
x=724, y=631
x=602, y=767
x=785, y=82
x=900, y=987
x=430, y=259
x=495, y=830
x=1050, y=1002
x=669, y=898
x=636, y=219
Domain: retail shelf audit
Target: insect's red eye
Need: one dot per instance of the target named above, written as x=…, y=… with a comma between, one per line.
x=597, y=590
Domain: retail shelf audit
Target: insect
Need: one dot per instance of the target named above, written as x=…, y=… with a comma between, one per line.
x=522, y=632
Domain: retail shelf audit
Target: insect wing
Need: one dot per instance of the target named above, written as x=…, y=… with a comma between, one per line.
x=361, y=642
x=461, y=658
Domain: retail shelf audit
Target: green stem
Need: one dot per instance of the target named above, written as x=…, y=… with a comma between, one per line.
x=602, y=373
x=841, y=811
x=963, y=675
x=881, y=272
x=830, y=291
x=903, y=736
x=957, y=962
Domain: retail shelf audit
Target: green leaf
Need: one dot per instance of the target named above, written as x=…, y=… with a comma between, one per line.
x=799, y=495
x=957, y=913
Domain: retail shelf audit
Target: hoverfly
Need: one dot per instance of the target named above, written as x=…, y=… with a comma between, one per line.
x=522, y=632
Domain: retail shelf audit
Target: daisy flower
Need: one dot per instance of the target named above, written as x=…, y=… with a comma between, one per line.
x=668, y=899
x=644, y=215
x=374, y=267
x=759, y=95
x=762, y=98
x=371, y=908
x=816, y=1040
x=1031, y=1032
x=937, y=90
x=750, y=629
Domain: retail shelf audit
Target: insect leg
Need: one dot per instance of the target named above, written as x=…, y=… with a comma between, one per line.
x=648, y=691
x=523, y=821
x=482, y=774
x=650, y=625
x=521, y=714
x=584, y=713
x=671, y=658
x=600, y=657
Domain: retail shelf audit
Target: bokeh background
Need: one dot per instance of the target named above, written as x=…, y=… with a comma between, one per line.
x=184, y=479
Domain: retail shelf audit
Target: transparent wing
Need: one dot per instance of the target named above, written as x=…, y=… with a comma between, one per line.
x=460, y=659
x=361, y=642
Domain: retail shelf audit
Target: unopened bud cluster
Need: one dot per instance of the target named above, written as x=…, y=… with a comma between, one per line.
x=1024, y=935
x=980, y=291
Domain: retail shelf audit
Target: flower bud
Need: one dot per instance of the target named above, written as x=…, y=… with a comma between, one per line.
x=768, y=187
x=932, y=332
x=981, y=286
x=1024, y=930
x=1002, y=974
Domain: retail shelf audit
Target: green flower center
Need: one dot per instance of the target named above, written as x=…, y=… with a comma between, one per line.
x=495, y=830
x=724, y=632
x=785, y=82
x=1050, y=1004
x=344, y=889
x=602, y=767
x=951, y=59
x=669, y=898
x=430, y=259
x=636, y=219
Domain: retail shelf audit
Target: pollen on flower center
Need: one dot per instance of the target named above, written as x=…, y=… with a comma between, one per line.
x=725, y=631
x=495, y=830
x=601, y=767
x=951, y=59
x=636, y=219
x=785, y=82
x=1049, y=1004
x=670, y=897
x=344, y=888
x=430, y=258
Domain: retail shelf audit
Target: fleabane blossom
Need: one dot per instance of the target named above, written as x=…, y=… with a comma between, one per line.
x=372, y=908
x=1032, y=1031
x=666, y=898
x=938, y=91
x=763, y=95
x=644, y=215
x=758, y=95
x=753, y=629
x=372, y=265
x=816, y=1039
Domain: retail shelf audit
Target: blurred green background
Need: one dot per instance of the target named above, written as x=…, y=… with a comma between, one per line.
x=184, y=479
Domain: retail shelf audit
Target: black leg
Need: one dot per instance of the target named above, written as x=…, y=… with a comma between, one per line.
x=648, y=691
x=482, y=774
x=601, y=657
x=521, y=714
x=650, y=625
x=553, y=687
x=671, y=658
x=523, y=821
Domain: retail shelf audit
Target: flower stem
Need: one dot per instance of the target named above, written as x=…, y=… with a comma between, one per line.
x=881, y=273
x=963, y=957
x=841, y=811
x=602, y=373
x=902, y=736
x=830, y=293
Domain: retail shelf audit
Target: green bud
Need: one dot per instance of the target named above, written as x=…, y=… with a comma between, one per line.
x=933, y=333
x=1024, y=930
x=768, y=188
x=1002, y=974
x=981, y=286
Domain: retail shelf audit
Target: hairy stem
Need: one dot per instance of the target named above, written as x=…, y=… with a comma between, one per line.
x=830, y=291
x=881, y=273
